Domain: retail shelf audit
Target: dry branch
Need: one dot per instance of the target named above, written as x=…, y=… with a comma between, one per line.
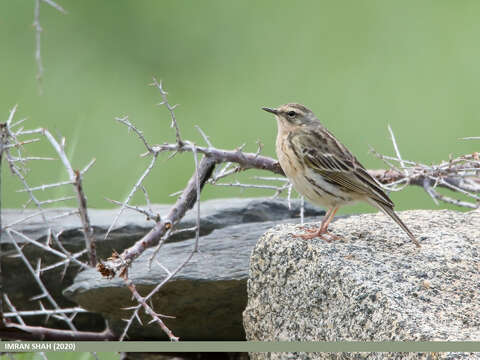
x=38, y=34
x=11, y=149
x=119, y=263
x=142, y=301
x=38, y=333
x=75, y=178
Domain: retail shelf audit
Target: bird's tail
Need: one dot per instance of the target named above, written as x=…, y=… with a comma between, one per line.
x=389, y=211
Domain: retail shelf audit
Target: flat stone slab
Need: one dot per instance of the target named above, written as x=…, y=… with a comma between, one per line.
x=374, y=285
x=207, y=296
x=131, y=225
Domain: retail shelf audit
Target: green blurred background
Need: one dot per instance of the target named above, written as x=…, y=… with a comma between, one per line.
x=360, y=65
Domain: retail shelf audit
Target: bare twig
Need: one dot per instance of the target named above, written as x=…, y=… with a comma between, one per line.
x=47, y=186
x=75, y=177
x=132, y=192
x=65, y=262
x=46, y=312
x=132, y=127
x=253, y=186
x=224, y=172
x=142, y=301
x=55, y=5
x=38, y=32
x=183, y=231
x=52, y=201
x=88, y=166
x=197, y=185
x=30, y=158
x=460, y=175
x=36, y=275
x=148, y=214
x=38, y=333
x=139, y=183
x=87, y=227
x=244, y=159
x=184, y=203
x=397, y=151
x=147, y=200
x=170, y=108
x=205, y=137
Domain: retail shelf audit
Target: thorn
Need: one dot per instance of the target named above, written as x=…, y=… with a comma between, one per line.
x=38, y=297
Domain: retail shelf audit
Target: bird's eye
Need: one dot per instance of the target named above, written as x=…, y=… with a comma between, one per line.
x=291, y=114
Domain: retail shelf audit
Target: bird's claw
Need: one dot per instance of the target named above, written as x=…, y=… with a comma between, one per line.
x=322, y=234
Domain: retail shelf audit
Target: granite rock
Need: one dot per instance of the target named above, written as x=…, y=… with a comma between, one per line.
x=373, y=285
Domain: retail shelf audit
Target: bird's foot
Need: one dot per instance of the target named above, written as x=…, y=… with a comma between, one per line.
x=321, y=233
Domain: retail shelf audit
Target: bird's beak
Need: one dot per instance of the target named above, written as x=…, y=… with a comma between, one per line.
x=273, y=111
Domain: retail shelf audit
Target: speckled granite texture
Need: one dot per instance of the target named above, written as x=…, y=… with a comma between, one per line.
x=373, y=285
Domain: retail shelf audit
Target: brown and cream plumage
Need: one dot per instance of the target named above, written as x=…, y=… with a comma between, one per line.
x=322, y=169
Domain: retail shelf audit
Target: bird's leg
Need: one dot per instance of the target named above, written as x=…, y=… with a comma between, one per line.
x=322, y=232
x=324, y=221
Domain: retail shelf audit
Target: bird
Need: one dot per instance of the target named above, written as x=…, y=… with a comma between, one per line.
x=323, y=170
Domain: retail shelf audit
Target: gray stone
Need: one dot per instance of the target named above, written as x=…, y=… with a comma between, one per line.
x=373, y=285
x=131, y=226
x=207, y=296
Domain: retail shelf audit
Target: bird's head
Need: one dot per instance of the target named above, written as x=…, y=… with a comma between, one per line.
x=292, y=115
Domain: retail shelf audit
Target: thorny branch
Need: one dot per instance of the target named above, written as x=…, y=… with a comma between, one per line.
x=38, y=34
x=44, y=291
x=460, y=175
x=170, y=108
x=12, y=146
x=75, y=178
x=38, y=333
x=185, y=202
x=142, y=301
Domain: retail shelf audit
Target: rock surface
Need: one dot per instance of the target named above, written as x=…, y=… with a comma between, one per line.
x=373, y=285
x=215, y=214
x=207, y=296
x=131, y=226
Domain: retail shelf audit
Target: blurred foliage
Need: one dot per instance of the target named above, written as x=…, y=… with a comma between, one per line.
x=360, y=65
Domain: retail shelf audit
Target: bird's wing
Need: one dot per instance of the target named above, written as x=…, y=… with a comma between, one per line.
x=324, y=154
